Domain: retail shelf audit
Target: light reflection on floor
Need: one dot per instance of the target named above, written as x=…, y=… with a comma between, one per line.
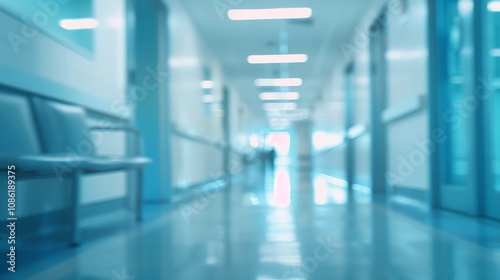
x=281, y=192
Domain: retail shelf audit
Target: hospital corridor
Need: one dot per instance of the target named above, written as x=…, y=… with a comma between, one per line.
x=250, y=139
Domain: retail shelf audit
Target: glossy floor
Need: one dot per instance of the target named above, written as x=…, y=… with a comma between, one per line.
x=282, y=225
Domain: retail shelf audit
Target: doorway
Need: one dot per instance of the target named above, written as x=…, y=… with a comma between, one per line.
x=453, y=111
x=489, y=84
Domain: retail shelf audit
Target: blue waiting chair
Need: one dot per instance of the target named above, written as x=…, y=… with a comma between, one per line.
x=42, y=147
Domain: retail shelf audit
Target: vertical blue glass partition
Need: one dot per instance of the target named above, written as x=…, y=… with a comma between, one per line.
x=456, y=152
x=490, y=90
x=453, y=108
x=492, y=54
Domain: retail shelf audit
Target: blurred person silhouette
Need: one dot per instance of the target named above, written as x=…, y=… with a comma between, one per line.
x=272, y=157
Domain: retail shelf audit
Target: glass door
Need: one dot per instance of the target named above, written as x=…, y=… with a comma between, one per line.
x=456, y=184
x=490, y=85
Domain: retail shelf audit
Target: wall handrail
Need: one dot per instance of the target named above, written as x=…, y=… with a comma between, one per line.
x=357, y=130
x=329, y=149
x=404, y=109
x=195, y=138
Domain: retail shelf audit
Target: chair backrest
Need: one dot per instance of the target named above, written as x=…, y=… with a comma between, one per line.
x=62, y=128
x=17, y=128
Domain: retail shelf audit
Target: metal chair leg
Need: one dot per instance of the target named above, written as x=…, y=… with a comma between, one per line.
x=139, y=194
x=75, y=209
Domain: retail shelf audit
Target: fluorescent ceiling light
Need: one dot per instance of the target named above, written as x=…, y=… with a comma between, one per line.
x=208, y=98
x=207, y=84
x=494, y=6
x=279, y=106
x=279, y=123
x=280, y=82
x=407, y=55
x=262, y=14
x=277, y=58
x=495, y=52
x=183, y=62
x=279, y=96
x=78, y=23
x=301, y=112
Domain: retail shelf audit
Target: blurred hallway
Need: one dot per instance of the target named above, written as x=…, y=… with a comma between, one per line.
x=259, y=140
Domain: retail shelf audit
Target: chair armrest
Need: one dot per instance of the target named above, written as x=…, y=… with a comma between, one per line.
x=39, y=163
x=128, y=129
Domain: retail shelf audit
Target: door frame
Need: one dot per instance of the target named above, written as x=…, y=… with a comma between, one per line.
x=349, y=122
x=378, y=103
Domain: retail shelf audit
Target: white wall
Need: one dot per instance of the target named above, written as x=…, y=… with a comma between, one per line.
x=241, y=121
x=195, y=162
x=407, y=72
x=407, y=78
x=361, y=88
x=330, y=113
x=361, y=99
x=328, y=121
x=241, y=124
x=188, y=58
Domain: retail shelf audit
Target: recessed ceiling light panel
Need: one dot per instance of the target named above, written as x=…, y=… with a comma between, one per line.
x=265, y=14
x=207, y=84
x=279, y=82
x=277, y=58
x=79, y=23
x=279, y=96
x=494, y=6
x=279, y=106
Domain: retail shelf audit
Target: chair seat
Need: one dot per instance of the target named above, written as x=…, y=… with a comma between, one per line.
x=47, y=163
x=37, y=163
x=101, y=164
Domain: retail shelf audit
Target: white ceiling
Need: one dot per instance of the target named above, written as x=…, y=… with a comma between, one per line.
x=332, y=23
